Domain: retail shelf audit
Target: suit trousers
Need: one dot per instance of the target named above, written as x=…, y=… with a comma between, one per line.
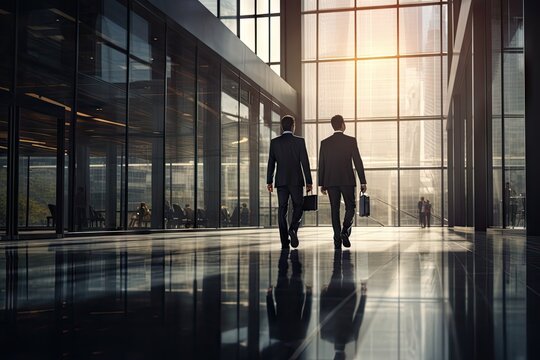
x=296, y=193
x=335, y=193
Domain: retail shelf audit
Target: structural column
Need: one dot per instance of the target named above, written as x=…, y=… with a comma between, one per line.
x=481, y=109
x=531, y=13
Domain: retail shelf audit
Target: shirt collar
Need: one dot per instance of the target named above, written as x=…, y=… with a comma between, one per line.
x=286, y=132
x=338, y=131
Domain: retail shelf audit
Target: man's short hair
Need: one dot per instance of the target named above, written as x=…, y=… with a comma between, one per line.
x=337, y=122
x=287, y=123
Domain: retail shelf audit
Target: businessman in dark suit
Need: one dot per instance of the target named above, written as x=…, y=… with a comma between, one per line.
x=290, y=154
x=336, y=178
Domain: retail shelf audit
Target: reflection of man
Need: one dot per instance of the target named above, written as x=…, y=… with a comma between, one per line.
x=422, y=212
x=336, y=177
x=340, y=316
x=290, y=154
x=244, y=215
x=511, y=204
x=289, y=316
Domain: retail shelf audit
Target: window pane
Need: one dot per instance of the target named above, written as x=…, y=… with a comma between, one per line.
x=309, y=37
x=180, y=133
x=377, y=88
x=263, y=38
x=374, y=2
x=262, y=6
x=7, y=21
x=377, y=32
x=377, y=142
x=249, y=157
x=229, y=150
x=265, y=123
x=514, y=88
x=336, y=35
x=247, y=7
x=227, y=8
x=146, y=106
x=309, y=84
x=417, y=183
x=208, y=98
x=247, y=32
x=335, y=4
x=417, y=1
x=3, y=165
x=274, y=6
x=231, y=24
x=310, y=134
x=308, y=5
x=275, y=41
x=383, y=193
x=420, y=143
x=420, y=86
x=336, y=90
x=419, y=29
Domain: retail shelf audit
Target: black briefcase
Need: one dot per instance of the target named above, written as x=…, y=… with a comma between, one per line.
x=310, y=203
x=364, y=205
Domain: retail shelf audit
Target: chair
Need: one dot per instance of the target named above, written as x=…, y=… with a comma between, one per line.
x=96, y=218
x=52, y=217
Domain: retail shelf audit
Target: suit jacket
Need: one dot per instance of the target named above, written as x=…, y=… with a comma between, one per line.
x=336, y=155
x=290, y=153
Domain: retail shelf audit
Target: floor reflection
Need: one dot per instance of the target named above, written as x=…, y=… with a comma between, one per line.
x=236, y=295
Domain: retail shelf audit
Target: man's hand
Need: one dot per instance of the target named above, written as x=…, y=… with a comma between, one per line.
x=270, y=188
x=309, y=187
x=323, y=190
x=363, y=188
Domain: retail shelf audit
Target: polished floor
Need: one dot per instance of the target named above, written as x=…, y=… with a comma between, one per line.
x=395, y=294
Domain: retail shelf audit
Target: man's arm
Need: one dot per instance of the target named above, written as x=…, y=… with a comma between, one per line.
x=322, y=163
x=270, y=168
x=304, y=160
x=359, y=165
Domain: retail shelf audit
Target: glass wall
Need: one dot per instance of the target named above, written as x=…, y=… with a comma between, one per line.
x=508, y=110
x=256, y=23
x=380, y=65
x=125, y=122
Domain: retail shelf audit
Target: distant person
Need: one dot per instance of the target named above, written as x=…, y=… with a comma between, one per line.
x=143, y=214
x=288, y=306
x=290, y=154
x=427, y=214
x=336, y=178
x=511, y=204
x=244, y=215
x=340, y=316
x=225, y=216
x=422, y=212
x=190, y=215
x=169, y=214
x=80, y=208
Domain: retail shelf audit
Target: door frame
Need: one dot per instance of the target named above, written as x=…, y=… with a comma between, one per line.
x=14, y=113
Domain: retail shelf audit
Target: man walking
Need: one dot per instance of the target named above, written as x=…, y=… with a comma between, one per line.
x=290, y=154
x=336, y=177
x=422, y=212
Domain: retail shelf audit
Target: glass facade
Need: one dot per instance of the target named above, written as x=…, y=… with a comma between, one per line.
x=118, y=119
x=508, y=114
x=382, y=65
x=256, y=22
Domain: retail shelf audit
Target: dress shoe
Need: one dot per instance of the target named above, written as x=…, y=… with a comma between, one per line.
x=294, y=239
x=345, y=240
x=337, y=243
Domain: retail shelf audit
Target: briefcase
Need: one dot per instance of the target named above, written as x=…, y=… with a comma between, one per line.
x=310, y=203
x=364, y=205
